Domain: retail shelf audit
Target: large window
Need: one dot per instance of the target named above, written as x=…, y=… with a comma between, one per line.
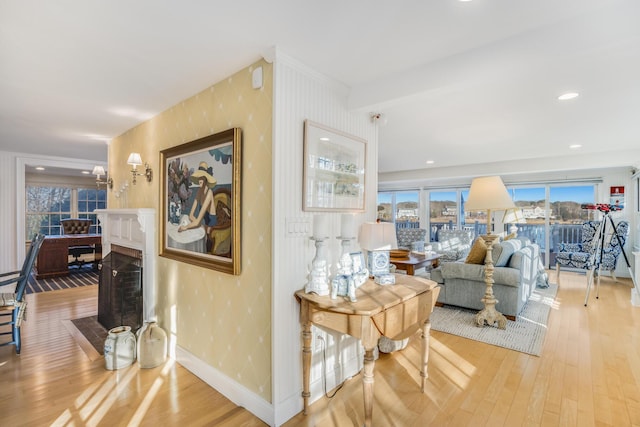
x=88, y=201
x=443, y=210
x=47, y=205
x=550, y=213
x=400, y=207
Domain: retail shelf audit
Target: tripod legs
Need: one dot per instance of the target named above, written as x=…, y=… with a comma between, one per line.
x=596, y=261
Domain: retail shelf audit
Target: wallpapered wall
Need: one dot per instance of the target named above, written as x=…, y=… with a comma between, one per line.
x=222, y=319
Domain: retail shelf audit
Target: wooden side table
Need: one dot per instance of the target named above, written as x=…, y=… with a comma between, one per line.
x=395, y=311
x=414, y=262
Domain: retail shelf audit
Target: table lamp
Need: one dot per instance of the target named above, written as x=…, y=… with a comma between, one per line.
x=378, y=238
x=513, y=216
x=489, y=193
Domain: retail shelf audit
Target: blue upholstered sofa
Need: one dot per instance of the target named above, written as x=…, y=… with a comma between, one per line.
x=517, y=266
x=453, y=245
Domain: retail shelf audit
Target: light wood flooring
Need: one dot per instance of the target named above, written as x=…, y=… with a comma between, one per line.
x=57, y=382
x=588, y=375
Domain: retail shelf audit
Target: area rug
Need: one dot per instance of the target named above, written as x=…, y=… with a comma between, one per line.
x=77, y=277
x=525, y=335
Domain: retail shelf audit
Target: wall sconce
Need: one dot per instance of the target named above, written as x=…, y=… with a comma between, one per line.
x=135, y=160
x=98, y=171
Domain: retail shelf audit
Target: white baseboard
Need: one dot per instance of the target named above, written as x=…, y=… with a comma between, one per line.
x=635, y=298
x=232, y=390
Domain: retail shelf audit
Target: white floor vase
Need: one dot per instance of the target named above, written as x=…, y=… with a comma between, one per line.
x=119, y=348
x=152, y=345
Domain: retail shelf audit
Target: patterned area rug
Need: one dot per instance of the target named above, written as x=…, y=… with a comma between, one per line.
x=525, y=335
x=77, y=277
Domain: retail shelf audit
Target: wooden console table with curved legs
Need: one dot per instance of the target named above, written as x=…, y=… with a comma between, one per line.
x=394, y=311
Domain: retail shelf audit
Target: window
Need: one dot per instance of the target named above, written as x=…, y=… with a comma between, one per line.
x=552, y=213
x=401, y=207
x=88, y=201
x=46, y=206
x=443, y=211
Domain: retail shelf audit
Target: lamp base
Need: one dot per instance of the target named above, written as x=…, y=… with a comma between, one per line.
x=489, y=314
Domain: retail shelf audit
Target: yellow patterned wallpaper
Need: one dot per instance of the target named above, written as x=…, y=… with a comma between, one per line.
x=222, y=319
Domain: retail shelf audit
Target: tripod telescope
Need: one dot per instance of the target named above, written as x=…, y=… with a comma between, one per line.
x=598, y=253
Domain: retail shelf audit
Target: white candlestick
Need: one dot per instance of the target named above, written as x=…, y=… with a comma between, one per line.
x=320, y=226
x=347, y=226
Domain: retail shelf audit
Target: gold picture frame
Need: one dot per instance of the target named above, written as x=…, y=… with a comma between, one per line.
x=205, y=173
x=334, y=170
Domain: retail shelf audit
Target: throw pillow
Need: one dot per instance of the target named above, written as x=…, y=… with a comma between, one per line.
x=495, y=252
x=508, y=248
x=477, y=253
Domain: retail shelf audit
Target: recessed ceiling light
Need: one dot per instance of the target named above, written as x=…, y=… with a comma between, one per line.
x=86, y=172
x=575, y=146
x=430, y=162
x=39, y=168
x=324, y=138
x=568, y=95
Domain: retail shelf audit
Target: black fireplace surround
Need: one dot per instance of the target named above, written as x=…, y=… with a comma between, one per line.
x=120, y=291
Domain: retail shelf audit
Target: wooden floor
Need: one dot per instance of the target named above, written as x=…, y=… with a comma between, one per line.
x=55, y=382
x=588, y=375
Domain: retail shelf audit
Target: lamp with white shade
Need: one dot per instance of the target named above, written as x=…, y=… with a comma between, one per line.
x=513, y=216
x=489, y=194
x=98, y=171
x=378, y=238
x=135, y=160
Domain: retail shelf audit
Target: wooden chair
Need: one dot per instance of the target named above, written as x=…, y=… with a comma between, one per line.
x=12, y=298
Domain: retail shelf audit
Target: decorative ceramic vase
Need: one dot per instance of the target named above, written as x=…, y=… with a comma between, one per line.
x=119, y=348
x=152, y=345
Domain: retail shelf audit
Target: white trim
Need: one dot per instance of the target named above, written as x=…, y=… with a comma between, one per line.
x=232, y=390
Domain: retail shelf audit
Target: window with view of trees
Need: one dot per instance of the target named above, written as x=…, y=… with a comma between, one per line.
x=443, y=209
x=550, y=213
x=46, y=206
x=401, y=207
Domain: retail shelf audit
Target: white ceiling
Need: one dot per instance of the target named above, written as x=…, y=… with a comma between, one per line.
x=459, y=82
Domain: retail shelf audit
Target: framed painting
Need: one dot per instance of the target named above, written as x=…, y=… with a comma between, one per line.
x=334, y=170
x=201, y=195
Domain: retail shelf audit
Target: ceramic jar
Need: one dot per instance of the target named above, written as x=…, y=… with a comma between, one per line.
x=119, y=348
x=152, y=345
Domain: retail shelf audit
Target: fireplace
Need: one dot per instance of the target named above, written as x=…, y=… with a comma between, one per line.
x=120, y=293
x=129, y=242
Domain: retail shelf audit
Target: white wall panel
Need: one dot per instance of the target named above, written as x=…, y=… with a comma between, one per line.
x=300, y=93
x=8, y=245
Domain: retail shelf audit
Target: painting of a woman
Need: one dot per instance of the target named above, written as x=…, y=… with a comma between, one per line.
x=201, y=189
x=203, y=210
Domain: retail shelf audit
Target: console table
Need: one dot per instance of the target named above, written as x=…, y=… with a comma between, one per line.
x=53, y=258
x=395, y=311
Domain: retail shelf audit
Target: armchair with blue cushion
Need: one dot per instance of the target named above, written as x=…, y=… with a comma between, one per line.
x=582, y=255
x=408, y=236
